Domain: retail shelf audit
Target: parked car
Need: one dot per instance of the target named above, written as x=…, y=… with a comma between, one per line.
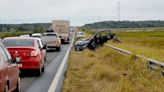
x=64, y=38
x=9, y=72
x=52, y=40
x=29, y=51
x=80, y=35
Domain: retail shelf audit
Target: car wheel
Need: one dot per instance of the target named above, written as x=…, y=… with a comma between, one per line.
x=58, y=48
x=42, y=69
x=77, y=48
x=45, y=59
x=39, y=72
x=6, y=88
x=18, y=86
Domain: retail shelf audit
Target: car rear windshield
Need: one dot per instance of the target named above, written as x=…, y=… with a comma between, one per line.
x=50, y=35
x=18, y=42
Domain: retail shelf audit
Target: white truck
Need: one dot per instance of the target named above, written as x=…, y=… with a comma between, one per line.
x=62, y=27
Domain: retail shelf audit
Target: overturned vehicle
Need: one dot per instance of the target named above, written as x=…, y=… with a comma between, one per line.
x=96, y=41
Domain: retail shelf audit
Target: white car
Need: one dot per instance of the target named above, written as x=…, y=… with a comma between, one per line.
x=24, y=35
x=38, y=35
x=80, y=35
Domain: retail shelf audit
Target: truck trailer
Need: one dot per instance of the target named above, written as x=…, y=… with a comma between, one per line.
x=62, y=27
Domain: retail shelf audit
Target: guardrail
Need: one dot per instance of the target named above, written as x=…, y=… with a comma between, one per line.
x=153, y=64
x=62, y=69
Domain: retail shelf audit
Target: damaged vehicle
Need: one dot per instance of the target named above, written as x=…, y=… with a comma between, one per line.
x=96, y=41
x=81, y=45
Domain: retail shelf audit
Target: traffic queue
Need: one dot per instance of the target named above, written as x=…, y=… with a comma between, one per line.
x=25, y=52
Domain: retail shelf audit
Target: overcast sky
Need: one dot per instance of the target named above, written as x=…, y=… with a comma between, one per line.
x=79, y=12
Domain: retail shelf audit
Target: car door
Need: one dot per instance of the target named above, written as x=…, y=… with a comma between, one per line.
x=3, y=74
x=42, y=51
x=12, y=70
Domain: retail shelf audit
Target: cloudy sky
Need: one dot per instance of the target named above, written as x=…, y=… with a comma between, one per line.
x=79, y=12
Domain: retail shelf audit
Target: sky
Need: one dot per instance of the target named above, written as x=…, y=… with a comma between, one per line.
x=79, y=12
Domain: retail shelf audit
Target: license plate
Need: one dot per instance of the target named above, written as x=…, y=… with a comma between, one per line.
x=19, y=65
x=18, y=58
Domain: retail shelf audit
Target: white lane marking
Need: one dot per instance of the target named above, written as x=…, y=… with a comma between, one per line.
x=55, y=81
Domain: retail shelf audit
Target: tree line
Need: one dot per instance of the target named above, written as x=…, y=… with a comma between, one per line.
x=34, y=27
x=124, y=24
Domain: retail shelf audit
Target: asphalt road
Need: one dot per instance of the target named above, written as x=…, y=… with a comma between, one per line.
x=30, y=83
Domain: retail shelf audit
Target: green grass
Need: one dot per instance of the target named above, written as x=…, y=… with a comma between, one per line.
x=142, y=34
x=150, y=44
x=104, y=70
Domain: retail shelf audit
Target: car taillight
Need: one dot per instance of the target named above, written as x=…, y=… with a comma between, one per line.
x=57, y=40
x=34, y=53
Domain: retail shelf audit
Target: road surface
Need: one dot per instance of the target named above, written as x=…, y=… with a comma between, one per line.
x=30, y=83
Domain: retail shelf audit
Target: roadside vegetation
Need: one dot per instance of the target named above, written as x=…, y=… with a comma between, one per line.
x=11, y=34
x=105, y=70
x=150, y=44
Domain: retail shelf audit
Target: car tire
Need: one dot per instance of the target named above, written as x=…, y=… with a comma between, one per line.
x=58, y=48
x=39, y=72
x=18, y=86
x=6, y=88
x=45, y=59
x=43, y=68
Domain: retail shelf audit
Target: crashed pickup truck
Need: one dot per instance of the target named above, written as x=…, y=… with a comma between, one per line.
x=52, y=40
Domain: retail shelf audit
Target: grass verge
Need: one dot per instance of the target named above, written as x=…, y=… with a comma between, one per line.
x=149, y=44
x=104, y=70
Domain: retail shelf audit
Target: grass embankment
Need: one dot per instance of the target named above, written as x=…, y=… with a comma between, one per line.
x=150, y=44
x=104, y=70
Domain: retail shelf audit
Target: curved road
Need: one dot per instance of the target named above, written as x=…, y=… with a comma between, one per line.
x=30, y=83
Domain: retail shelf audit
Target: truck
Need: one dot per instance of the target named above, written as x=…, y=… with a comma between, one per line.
x=62, y=27
x=52, y=41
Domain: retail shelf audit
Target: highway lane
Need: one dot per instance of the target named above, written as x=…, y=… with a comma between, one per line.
x=30, y=83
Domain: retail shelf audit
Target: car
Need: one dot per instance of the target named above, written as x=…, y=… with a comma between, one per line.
x=98, y=40
x=0, y=40
x=64, y=38
x=38, y=35
x=81, y=44
x=29, y=51
x=25, y=35
x=52, y=40
x=80, y=35
x=9, y=72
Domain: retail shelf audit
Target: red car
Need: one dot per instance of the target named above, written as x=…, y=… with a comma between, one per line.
x=9, y=72
x=29, y=51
